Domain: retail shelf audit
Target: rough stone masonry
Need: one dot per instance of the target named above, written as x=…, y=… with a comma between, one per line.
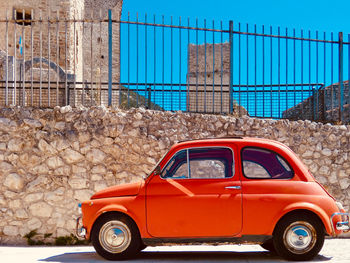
x=51, y=159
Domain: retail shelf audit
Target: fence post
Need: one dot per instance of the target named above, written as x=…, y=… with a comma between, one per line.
x=231, y=67
x=109, y=57
x=341, y=85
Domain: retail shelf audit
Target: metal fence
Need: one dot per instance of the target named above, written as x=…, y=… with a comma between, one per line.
x=174, y=64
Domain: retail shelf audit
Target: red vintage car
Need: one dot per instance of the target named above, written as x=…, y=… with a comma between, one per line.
x=213, y=191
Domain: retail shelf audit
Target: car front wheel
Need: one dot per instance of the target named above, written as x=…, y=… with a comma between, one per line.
x=299, y=237
x=115, y=237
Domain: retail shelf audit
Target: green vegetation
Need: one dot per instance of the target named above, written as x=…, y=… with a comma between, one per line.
x=35, y=239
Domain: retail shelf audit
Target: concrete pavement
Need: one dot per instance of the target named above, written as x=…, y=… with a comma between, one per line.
x=334, y=250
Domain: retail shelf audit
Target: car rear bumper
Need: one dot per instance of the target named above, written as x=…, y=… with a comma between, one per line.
x=340, y=223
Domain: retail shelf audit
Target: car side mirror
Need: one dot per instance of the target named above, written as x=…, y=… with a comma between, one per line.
x=157, y=171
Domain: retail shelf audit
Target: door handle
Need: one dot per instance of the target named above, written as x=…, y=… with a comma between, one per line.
x=236, y=187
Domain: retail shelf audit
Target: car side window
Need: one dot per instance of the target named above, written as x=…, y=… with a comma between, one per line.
x=177, y=167
x=261, y=163
x=200, y=163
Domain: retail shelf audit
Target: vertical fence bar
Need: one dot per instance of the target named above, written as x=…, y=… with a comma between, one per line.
x=188, y=66
x=279, y=70
x=271, y=70
x=49, y=60
x=332, y=87
x=120, y=61
x=137, y=59
x=247, y=88
x=349, y=74
x=14, y=94
x=213, y=67
x=255, y=69
x=171, y=63
x=294, y=67
x=66, y=91
x=100, y=60
x=221, y=64
x=341, y=84
x=317, y=88
x=74, y=60
x=24, y=59
x=180, y=87
x=302, y=71
x=310, y=87
x=163, y=62
x=146, y=66
x=128, y=61
x=154, y=58
x=91, y=58
x=57, y=59
x=110, y=57
x=263, y=71
x=231, y=66
x=41, y=60
x=287, y=89
x=196, y=64
x=324, y=76
x=239, y=68
x=31, y=55
x=7, y=60
x=205, y=66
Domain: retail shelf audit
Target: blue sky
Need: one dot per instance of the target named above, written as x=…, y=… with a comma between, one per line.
x=323, y=15
x=146, y=59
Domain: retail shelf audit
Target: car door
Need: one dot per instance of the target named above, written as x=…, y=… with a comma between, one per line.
x=197, y=194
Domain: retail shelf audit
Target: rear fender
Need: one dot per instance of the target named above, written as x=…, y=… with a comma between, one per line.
x=309, y=207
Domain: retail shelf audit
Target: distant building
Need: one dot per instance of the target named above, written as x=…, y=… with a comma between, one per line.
x=79, y=49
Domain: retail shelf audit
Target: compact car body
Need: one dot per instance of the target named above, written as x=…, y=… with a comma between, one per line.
x=213, y=191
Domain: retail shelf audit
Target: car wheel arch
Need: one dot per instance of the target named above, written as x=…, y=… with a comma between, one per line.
x=117, y=214
x=302, y=211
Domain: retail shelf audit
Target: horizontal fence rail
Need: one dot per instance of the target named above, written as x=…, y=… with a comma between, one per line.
x=174, y=64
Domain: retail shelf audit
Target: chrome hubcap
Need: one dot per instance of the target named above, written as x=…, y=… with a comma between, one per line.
x=300, y=237
x=115, y=236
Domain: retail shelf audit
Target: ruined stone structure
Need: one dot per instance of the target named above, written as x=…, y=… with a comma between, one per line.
x=51, y=159
x=69, y=51
x=208, y=79
x=202, y=74
x=323, y=105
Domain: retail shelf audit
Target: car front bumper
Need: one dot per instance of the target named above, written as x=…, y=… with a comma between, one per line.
x=80, y=230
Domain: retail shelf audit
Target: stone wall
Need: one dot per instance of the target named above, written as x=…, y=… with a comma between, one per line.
x=51, y=159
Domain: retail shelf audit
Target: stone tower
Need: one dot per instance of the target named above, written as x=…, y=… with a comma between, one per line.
x=58, y=51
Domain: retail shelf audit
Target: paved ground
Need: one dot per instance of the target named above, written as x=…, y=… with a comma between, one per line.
x=337, y=250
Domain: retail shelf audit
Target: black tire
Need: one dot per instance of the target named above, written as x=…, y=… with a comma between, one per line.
x=142, y=246
x=115, y=237
x=268, y=245
x=299, y=237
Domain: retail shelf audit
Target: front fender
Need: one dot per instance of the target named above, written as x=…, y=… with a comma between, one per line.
x=306, y=206
x=105, y=209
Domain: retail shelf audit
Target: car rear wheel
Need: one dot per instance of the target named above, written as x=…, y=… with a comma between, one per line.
x=299, y=237
x=115, y=237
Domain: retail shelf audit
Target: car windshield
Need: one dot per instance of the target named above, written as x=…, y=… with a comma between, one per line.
x=156, y=165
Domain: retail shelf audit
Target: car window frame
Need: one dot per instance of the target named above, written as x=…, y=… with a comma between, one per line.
x=202, y=147
x=269, y=150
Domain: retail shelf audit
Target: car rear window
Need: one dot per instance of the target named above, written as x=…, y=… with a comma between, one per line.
x=259, y=163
